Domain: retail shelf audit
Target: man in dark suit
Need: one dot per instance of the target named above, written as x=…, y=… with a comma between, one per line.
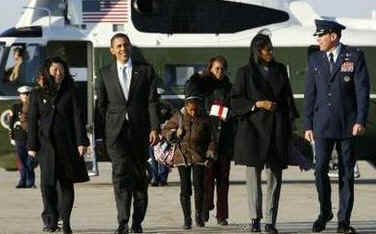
x=128, y=100
x=335, y=111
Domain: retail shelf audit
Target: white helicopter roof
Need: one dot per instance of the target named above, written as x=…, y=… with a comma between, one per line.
x=297, y=31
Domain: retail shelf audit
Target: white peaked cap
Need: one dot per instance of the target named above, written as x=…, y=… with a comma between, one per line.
x=24, y=89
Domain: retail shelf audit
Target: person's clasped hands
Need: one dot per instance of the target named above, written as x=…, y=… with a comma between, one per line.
x=266, y=105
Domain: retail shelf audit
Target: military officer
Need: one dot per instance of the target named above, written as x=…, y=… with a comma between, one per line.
x=335, y=111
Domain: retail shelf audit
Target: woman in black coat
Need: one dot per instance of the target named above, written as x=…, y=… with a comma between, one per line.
x=57, y=136
x=263, y=102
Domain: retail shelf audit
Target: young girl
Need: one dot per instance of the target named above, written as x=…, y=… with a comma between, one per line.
x=195, y=150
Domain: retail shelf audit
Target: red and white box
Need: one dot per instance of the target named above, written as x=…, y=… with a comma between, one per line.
x=220, y=111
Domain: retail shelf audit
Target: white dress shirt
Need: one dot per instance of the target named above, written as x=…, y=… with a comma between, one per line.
x=125, y=76
x=335, y=52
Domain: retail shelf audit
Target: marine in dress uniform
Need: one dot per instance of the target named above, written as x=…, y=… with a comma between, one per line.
x=18, y=133
x=335, y=111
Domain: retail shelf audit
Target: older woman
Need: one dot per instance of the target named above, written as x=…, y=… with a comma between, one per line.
x=57, y=136
x=263, y=102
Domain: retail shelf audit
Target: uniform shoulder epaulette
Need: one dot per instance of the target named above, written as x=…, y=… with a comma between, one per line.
x=314, y=55
x=352, y=49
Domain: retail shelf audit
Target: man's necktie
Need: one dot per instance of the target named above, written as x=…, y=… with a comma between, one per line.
x=331, y=62
x=126, y=82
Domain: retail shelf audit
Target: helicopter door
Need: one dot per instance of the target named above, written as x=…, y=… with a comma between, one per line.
x=79, y=57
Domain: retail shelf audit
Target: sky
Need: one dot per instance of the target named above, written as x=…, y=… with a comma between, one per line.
x=11, y=10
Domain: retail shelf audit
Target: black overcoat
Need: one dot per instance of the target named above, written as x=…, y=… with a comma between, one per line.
x=71, y=131
x=259, y=131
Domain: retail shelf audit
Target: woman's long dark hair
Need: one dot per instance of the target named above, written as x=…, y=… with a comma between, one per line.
x=46, y=81
x=259, y=42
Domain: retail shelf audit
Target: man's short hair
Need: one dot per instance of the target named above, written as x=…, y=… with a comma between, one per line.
x=119, y=35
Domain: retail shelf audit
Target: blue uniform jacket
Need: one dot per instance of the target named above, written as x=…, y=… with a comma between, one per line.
x=335, y=102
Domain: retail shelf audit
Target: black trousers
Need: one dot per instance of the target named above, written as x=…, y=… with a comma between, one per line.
x=129, y=166
x=186, y=190
x=346, y=163
x=57, y=203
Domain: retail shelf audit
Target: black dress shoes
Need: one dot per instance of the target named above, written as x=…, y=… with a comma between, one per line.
x=31, y=186
x=255, y=225
x=222, y=222
x=344, y=228
x=199, y=221
x=51, y=229
x=269, y=228
x=137, y=229
x=122, y=230
x=187, y=224
x=67, y=229
x=18, y=186
x=320, y=224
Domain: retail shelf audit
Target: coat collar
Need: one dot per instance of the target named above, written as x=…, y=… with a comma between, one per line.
x=269, y=89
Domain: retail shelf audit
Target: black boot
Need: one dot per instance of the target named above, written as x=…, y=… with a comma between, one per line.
x=66, y=227
x=255, y=225
x=270, y=228
x=186, y=205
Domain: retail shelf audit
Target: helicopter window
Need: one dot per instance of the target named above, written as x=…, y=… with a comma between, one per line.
x=201, y=16
x=22, y=64
x=18, y=66
x=177, y=74
x=146, y=7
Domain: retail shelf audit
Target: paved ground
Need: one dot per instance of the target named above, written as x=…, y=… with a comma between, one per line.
x=94, y=210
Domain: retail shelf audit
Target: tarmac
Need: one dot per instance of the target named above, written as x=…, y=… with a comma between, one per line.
x=95, y=212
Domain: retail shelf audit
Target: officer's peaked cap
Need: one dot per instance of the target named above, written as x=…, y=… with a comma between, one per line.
x=191, y=97
x=327, y=26
x=24, y=89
